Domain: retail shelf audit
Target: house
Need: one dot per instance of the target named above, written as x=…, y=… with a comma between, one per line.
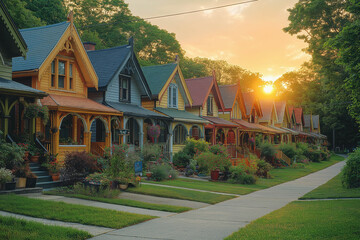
x=207, y=101
x=269, y=119
x=58, y=64
x=284, y=121
x=122, y=85
x=14, y=97
x=170, y=95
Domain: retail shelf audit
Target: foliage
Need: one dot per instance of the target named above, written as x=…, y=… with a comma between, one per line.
x=289, y=149
x=181, y=159
x=351, y=171
x=239, y=175
x=194, y=147
x=21, y=171
x=5, y=175
x=77, y=165
x=11, y=155
x=314, y=155
x=263, y=169
x=190, y=168
x=34, y=111
x=209, y=161
x=268, y=151
x=297, y=165
x=153, y=131
x=162, y=172
x=150, y=152
x=23, y=17
x=34, y=150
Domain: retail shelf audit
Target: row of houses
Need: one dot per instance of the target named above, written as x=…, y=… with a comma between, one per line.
x=97, y=98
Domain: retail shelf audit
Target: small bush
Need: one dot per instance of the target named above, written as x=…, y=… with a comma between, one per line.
x=351, y=171
x=238, y=175
x=151, y=152
x=11, y=155
x=195, y=147
x=314, y=155
x=297, y=165
x=208, y=162
x=191, y=168
x=288, y=149
x=263, y=169
x=268, y=151
x=163, y=172
x=77, y=165
x=181, y=159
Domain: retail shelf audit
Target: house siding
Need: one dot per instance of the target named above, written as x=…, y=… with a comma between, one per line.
x=5, y=71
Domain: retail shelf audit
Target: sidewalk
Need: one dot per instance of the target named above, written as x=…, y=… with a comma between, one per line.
x=220, y=220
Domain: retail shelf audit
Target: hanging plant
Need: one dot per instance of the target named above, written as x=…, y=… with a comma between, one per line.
x=34, y=111
x=154, y=131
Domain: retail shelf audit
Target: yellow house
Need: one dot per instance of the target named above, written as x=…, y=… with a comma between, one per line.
x=170, y=95
x=58, y=64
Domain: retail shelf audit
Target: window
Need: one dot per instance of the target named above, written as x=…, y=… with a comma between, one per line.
x=173, y=96
x=195, y=132
x=210, y=106
x=124, y=93
x=62, y=72
x=180, y=134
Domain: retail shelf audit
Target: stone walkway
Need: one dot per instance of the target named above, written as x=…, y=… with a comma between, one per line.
x=220, y=220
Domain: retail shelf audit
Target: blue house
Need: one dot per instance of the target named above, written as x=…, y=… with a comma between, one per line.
x=122, y=85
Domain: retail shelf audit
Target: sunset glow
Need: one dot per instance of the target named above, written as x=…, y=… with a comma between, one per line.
x=268, y=89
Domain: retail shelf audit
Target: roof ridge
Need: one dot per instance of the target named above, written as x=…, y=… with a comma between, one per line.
x=159, y=65
x=112, y=48
x=42, y=27
x=199, y=78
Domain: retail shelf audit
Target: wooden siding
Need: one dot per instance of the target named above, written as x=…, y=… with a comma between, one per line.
x=225, y=115
x=164, y=100
x=215, y=108
x=5, y=71
x=79, y=90
x=112, y=93
x=148, y=104
x=193, y=110
x=236, y=112
x=63, y=149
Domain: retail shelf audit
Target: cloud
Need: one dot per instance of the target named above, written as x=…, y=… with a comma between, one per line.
x=237, y=11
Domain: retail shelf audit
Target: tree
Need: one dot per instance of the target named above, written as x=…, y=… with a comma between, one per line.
x=23, y=17
x=50, y=12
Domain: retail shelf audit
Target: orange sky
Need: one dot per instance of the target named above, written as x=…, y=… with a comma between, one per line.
x=248, y=35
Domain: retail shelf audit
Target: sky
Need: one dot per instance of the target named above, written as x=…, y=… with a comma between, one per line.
x=248, y=35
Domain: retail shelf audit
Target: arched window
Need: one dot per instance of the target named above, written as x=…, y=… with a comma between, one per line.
x=231, y=137
x=134, y=130
x=180, y=134
x=173, y=96
x=195, y=132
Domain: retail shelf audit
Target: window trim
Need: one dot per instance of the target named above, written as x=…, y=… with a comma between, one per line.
x=173, y=88
x=128, y=79
x=210, y=106
x=54, y=79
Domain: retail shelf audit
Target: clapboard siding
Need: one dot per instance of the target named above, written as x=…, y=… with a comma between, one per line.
x=5, y=71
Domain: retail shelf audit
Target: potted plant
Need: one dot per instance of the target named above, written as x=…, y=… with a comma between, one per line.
x=34, y=111
x=35, y=153
x=52, y=166
x=6, y=179
x=31, y=179
x=25, y=147
x=20, y=176
x=153, y=132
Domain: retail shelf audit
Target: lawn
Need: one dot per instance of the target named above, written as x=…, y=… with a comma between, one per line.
x=69, y=212
x=336, y=219
x=159, y=191
x=333, y=189
x=16, y=229
x=125, y=202
x=280, y=175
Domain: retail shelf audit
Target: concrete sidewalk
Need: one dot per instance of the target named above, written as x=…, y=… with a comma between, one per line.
x=220, y=220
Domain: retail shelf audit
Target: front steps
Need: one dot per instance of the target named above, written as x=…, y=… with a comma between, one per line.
x=44, y=179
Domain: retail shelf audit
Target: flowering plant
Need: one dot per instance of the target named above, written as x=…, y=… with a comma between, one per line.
x=154, y=131
x=24, y=146
x=52, y=164
x=34, y=110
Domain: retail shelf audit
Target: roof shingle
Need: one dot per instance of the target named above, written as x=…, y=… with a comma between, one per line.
x=157, y=76
x=198, y=88
x=228, y=93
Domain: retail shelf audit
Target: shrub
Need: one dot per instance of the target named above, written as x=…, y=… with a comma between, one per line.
x=263, y=169
x=191, y=168
x=208, y=162
x=288, y=149
x=351, y=171
x=195, y=147
x=151, y=152
x=181, y=159
x=5, y=175
x=11, y=155
x=238, y=175
x=162, y=172
x=314, y=155
x=297, y=165
x=77, y=165
x=268, y=151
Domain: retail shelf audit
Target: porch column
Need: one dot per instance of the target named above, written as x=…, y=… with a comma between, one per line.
x=55, y=136
x=87, y=141
x=6, y=113
x=108, y=132
x=74, y=127
x=171, y=140
x=141, y=133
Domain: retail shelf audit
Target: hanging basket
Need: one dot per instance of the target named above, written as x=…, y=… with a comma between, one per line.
x=154, y=131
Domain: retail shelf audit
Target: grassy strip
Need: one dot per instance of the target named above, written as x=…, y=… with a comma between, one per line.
x=69, y=212
x=125, y=202
x=280, y=175
x=338, y=219
x=16, y=229
x=333, y=189
x=204, y=197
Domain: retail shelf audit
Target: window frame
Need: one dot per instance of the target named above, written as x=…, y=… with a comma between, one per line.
x=173, y=95
x=121, y=89
x=210, y=106
x=69, y=76
x=177, y=134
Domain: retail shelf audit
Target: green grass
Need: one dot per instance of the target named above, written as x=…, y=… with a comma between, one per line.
x=125, y=202
x=204, y=197
x=337, y=219
x=69, y=212
x=280, y=175
x=333, y=189
x=16, y=229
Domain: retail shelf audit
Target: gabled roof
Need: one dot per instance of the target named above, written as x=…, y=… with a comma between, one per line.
x=299, y=117
x=41, y=41
x=10, y=86
x=180, y=115
x=315, y=119
x=307, y=121
x=134, y=110
x=158, y=75
x=108, y=62
x=267, y=108
x=228, y=93
x=219, y=122
x=200, y=88
x=10, y=35
x=280, y=110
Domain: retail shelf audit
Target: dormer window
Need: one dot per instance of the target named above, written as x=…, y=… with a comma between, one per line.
x=210, y=107
x=173, y=96
x=62, y=74
x=124, y=91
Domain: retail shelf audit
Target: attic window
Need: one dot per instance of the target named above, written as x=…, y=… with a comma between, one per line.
x=62, y=74
x=61, y=77
x=173, y=96
x=124, y=88
x=210, y=106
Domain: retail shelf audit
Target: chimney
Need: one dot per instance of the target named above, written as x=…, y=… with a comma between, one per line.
x=89, y=46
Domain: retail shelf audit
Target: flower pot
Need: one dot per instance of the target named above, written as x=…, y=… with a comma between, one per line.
x=31, y=182
x=55, y=177
x=215, y=175
x=10, y=186
x=34, y=159
x=26, y=156
x=148, y=175
x=123, y=186
x=20, y=182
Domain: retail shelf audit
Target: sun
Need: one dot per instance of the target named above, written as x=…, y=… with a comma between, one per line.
x=268, y=88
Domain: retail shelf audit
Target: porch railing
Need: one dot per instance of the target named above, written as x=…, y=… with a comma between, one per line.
x=280, y=155
x=98, y=148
